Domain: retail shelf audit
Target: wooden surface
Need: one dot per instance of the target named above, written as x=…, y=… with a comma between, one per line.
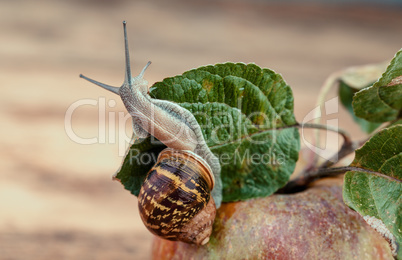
x=57, y=199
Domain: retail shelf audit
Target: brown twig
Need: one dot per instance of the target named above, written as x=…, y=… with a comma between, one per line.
x=346, y=137
x=302, y=183
x=348, y=145
x=315, y=172
x=346, y=149
x=323, y=170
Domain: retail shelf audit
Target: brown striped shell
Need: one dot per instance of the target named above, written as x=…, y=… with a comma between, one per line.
x=175, y=201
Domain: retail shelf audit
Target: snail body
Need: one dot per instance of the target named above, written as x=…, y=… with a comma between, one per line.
x=187, y=217
x=174, y=201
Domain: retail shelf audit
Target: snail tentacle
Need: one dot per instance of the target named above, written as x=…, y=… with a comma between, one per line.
x=180, y=194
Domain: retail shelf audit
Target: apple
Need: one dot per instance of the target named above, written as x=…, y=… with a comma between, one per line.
x=312, y=224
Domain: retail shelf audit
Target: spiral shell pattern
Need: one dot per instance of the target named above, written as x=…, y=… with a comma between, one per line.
x=175, y=190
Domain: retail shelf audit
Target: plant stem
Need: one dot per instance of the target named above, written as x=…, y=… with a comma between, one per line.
x=346, y=149
x=314, y=172
x=348, y=146
x=346, y=137
x=302, y=182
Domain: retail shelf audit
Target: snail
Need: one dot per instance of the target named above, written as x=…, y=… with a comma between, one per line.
x=174, y=201
x=187, y=153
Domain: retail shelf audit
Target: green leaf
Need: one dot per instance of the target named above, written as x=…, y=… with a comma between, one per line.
x=354, y=79
x=374, y=189
x=382, y=102
x=139, y=159
x=246, y=115
x=396, y=122
x=360, y=77
x=346, y=96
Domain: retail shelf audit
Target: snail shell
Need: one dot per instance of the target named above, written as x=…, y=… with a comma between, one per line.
x=175, y=201
x=173, y=125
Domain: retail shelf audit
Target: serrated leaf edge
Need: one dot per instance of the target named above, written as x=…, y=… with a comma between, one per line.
x=380, y=227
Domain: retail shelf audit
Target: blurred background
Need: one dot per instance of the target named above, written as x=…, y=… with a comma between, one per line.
x=57, y=199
